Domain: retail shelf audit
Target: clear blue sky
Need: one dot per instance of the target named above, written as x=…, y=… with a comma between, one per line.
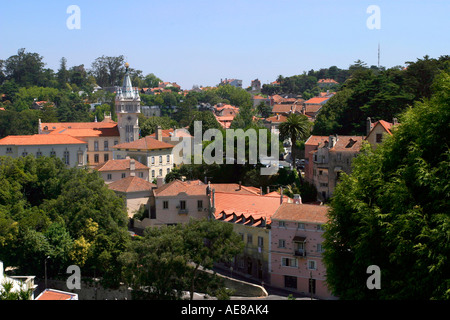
x=201, y=41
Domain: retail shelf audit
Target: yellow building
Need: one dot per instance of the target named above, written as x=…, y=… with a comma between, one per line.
x=251, y=218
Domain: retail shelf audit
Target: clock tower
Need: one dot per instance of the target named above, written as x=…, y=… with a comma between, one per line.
x=128, y=108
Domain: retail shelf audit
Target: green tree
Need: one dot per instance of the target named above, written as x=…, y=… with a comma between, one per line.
x=393, y=210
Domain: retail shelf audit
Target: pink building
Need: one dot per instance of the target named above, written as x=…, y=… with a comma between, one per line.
x=311, y=145
x=296, y=249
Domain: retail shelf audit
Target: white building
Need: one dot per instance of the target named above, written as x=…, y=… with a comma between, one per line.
x=71, y=150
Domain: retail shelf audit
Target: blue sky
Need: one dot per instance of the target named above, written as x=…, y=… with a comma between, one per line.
x=201, y=41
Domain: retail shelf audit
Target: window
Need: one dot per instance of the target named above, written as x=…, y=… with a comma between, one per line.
x=87, y=158
x=200, y=205
x=301, y=226
x=168, y=170
x=153, y=173
x=165, y=204
x=123, y=175
x=53, y=153
x=168, y=158
x=38, y=154
x=153, y=160
x=66, y=158
x=379, y=137
x=9, y=150
x=95, y=145
x=105, y=157
x=183, y=205
x=24, y=154
x=249, y=238
x=105, y=145
x=80, y=157
x=96, y=158
x=116, y=142
x=109, y=176
x=260, y=242
x=319, y=248
x=320, y=227
x=242, y=236
x=281, y=243
x=160, y=172
x=160, y=159
x=281, y=224
x=141, y=175
x=289, y=262
x=312, y=265
x=320, y=172
x=339, y=156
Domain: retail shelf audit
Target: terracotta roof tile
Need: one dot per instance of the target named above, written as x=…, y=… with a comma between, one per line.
x=131, y=184
x=40, y=139
x=147, y=143
x=248, y=205
x=120, y=165
x=302, y=213
x=317, y=100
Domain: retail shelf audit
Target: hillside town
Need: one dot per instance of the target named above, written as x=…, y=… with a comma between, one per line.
x=134, y=145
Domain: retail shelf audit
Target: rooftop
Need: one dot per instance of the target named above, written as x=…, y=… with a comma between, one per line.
x=131, y=184
x=147, y=143
x=40, y=140
x=309, y=213
x=120, y=165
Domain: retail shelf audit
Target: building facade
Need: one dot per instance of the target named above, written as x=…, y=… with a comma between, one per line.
x=71, y=150
x=296, y=238
x=332, y=157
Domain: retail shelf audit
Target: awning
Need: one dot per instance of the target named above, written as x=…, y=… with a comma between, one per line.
x=299, y=239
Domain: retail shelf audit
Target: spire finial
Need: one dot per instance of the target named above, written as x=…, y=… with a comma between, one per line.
x=127, y=65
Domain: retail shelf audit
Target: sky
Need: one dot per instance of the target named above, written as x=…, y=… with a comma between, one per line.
x=200, y=42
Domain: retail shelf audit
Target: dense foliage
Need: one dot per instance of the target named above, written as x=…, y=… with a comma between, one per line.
x=381, y=95
x=68, y=215
x=393, y=211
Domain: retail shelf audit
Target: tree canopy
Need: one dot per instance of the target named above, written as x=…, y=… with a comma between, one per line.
x=393, y=211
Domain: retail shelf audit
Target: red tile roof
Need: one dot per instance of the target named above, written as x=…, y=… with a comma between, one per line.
x=120, y=165
x=40, y=139
x=317, y=100
x=131, y=184
x=147, y=143
x=198, y=188
x=50, y=294
x=327, y=81
x=248, y=205
x=285, y=108
x=316, y=140
x=309, y=213
x=276, y=119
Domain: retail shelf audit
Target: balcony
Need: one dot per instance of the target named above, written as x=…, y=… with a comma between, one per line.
x=183, y=211
x=300, y=252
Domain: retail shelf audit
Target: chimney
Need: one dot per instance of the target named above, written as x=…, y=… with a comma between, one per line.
x=368, y=125
x=132, y=167
x=159, y=133
x=332, y=142
x=394, y=121
x=260, y=191
x=240, y=185
x=159, y=182
x=297, y=199
x=268, y=189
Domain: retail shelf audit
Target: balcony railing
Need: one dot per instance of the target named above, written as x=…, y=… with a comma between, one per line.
x=300, y=253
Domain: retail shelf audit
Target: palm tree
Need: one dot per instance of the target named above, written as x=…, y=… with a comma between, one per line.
x=296, y=127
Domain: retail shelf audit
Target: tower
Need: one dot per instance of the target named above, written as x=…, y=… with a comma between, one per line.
x=128, y=108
